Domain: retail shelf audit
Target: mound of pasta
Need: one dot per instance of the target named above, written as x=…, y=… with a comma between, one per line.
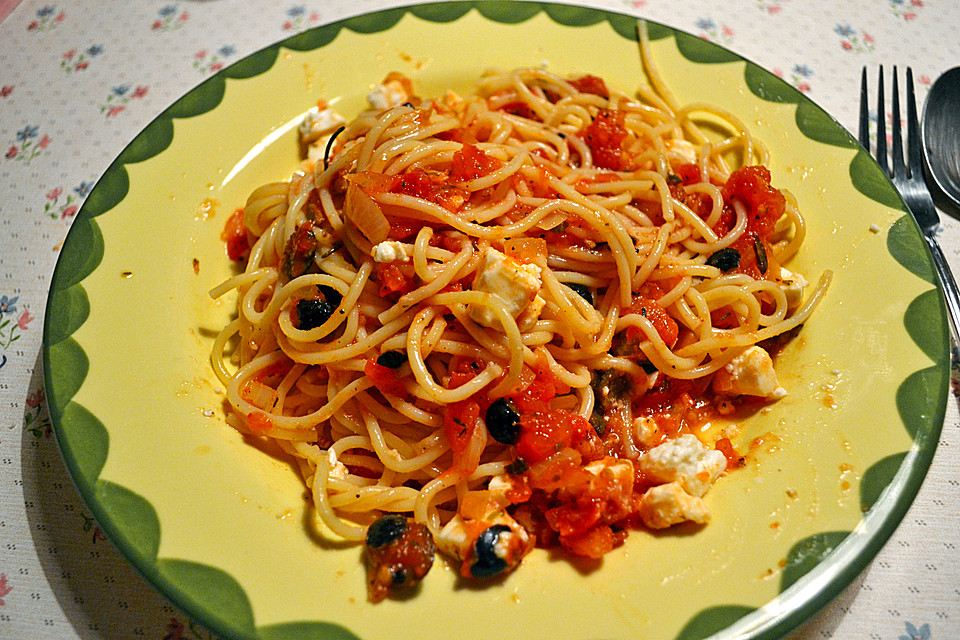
x=487, y=324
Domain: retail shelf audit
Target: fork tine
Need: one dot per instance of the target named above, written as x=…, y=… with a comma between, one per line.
x=882, y=126
x=914, y=151
x=864, y=111
x=896, y=152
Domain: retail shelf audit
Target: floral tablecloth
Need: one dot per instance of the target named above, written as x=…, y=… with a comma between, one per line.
x=79, y=79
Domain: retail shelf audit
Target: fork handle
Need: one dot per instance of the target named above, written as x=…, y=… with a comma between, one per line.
x=950, y=291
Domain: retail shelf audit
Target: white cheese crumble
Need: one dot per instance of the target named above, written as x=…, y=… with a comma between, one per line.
x=750, y=374
x=685, y=461
x=338, y=470
x=390, y=251
x=792, y=284
x=388, y=95
x=668, y=504
x=683, y=148
x=453, y=538
x=317, y=122
x=514, y=284
x=646, y=431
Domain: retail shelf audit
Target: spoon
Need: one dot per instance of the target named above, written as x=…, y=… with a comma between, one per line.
x=941, y=133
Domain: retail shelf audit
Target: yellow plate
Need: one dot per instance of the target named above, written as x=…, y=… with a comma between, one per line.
x=223, y=528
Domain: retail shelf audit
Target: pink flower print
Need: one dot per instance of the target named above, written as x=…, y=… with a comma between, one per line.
x=6, y=90
x=69, y=211
x=867, y=38
x=846, y=45
x=119, y=97
x=175, y=630
x=53, y=194
x=69, y=54
x=26, y=147
x=206, y=62
x=46, y=20
x=24, y=320
x=44, y=142
x=35, y=398
x=909, y=15
x=168, y=18
x=4, y=588
x=804, y=87
x=81, y=65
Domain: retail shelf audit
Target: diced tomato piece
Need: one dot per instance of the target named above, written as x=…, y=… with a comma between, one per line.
x=591, y=84
x=605, y=136
x=393, y=279
x=765, y=204
x=734, y=459
x=724, y=318
x=460, y=423
x=689, y=173
x=259, y=422
x=666, y=326
x=544, y=433
x=234, y=234
x=459, y=427
x=431, y=186
x=519, y=108
x=462, y=370
x=384, y=378
x=593, y=543
x=470, y=163
x=573, y=519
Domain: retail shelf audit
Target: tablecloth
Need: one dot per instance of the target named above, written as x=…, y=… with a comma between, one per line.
x=79, y=79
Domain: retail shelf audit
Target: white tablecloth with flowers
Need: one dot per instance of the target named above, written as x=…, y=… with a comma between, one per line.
x=79, y=79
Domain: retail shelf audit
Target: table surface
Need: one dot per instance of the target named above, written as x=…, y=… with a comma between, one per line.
x=79, y=79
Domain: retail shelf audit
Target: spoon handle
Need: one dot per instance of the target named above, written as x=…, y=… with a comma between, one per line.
x=950, y=291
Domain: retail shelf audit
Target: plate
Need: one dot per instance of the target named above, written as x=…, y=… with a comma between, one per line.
x=222, y=528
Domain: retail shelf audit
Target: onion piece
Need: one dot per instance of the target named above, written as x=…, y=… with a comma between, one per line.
x=362, y=213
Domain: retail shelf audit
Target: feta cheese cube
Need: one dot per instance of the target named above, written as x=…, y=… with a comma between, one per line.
x=683, y=148
x=514, y=284
x=390, y=251
x=792, y=284
x=317, y=122
x=751, y=374
x=665, y=505
x=338, y=470
x=684, y=461
x=454, y=539
x=647, y=432
x=388, y=95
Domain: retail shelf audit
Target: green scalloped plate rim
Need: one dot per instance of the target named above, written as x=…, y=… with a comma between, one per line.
x=215, y=599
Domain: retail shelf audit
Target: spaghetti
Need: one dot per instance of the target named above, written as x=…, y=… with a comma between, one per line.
x=500, y=320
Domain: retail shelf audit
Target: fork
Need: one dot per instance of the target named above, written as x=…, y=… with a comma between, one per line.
x=908, y=177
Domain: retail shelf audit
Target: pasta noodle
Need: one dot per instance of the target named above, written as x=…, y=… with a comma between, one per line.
x=500, y=318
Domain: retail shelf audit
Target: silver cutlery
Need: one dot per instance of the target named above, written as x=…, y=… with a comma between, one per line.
x=907, y=176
